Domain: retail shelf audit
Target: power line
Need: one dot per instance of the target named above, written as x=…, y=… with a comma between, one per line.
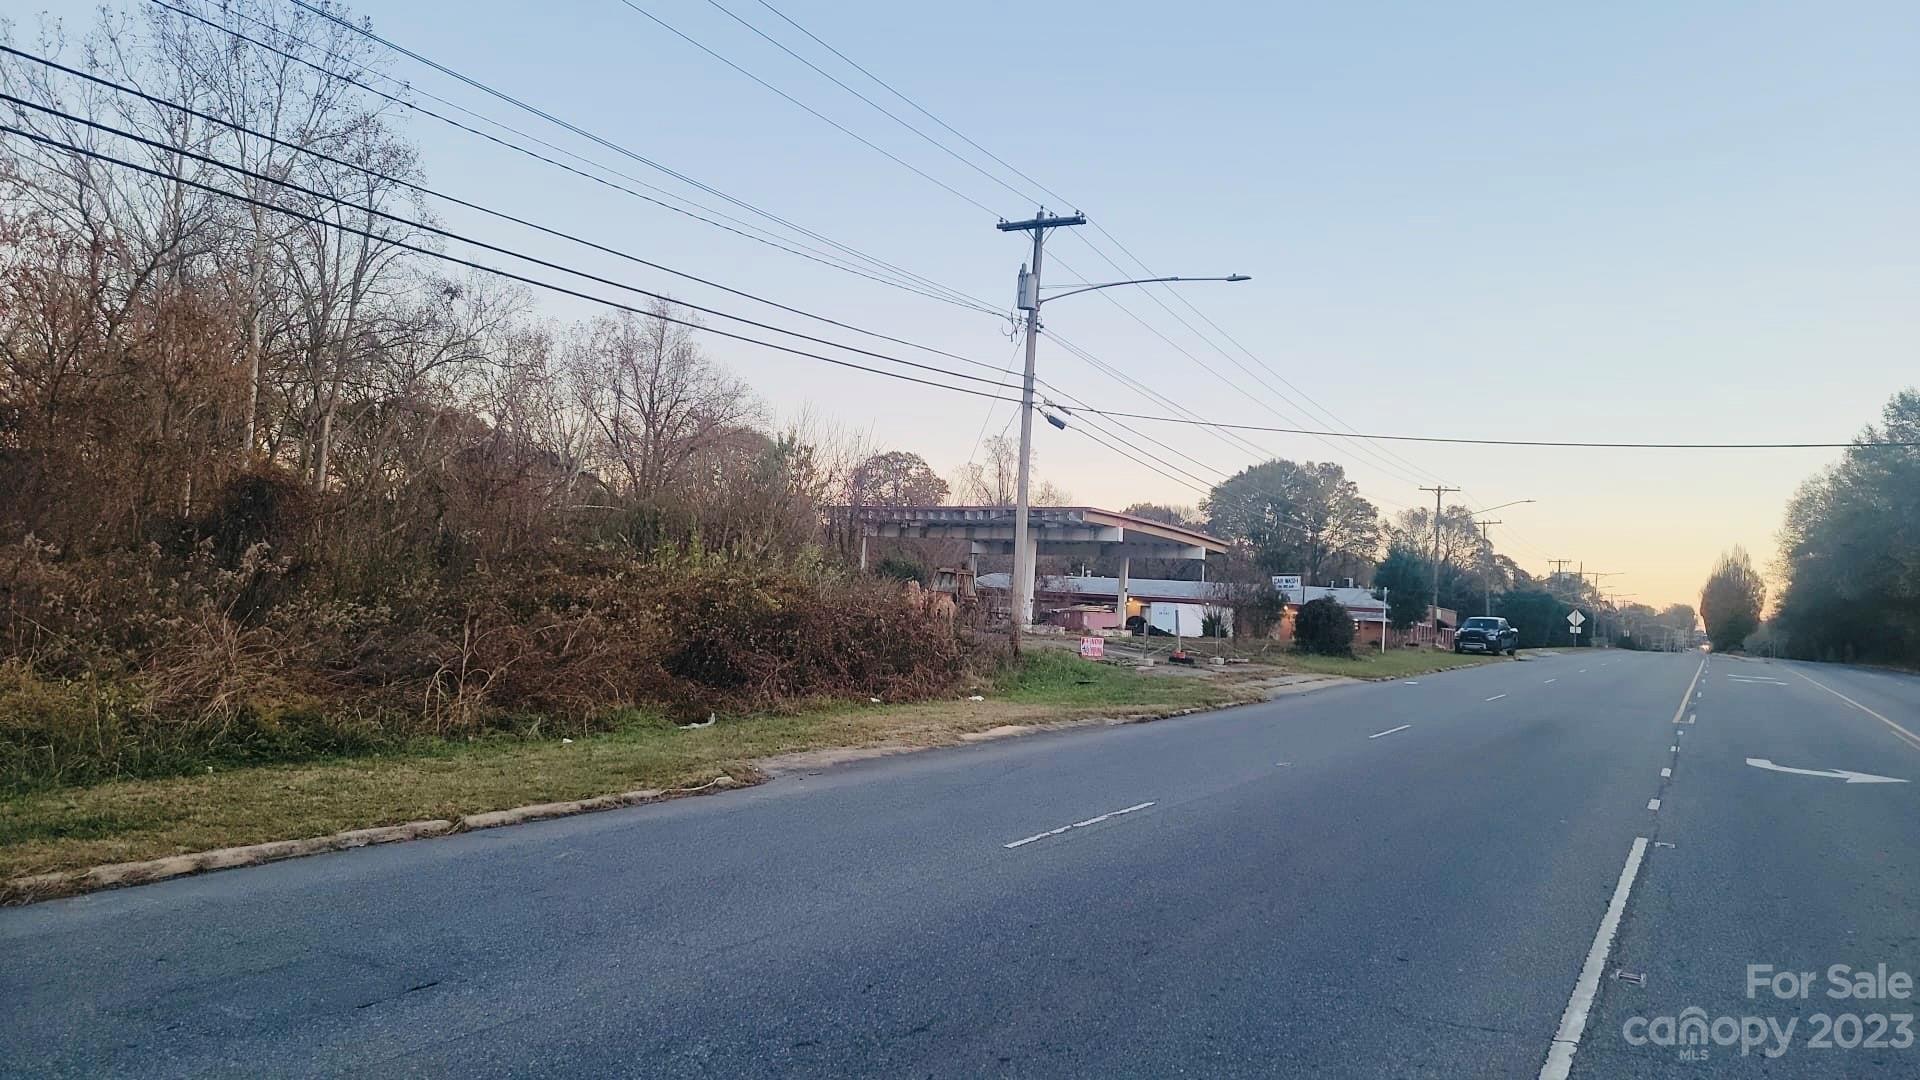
x=1380, y=465
x=944, y=294
x=424, y=190
x=842, y=128
x=564, y=290
x=518, y=103
x=1007, y=370
x=496, y=213
x=485, y=245
x=1202, y=364
x=917, y=106
x=883, y=110
x=1386, y=458
x=1125, y=453
x=790, y=98
x=510, y=275
x=1238, y=443
x=1134, y=454
x=153, y=99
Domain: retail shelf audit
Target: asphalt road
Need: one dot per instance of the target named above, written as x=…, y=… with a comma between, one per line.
x=1387, y=880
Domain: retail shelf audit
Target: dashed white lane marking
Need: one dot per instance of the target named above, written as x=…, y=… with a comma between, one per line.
x=1653, y=804
x=1556, y=678
x=1389, y=731
x=1078, y=825
x=1674, y=749
x=1666, y=774
x=1496, y=697
x=1573, y=1022
x=1583, y=671
x=1411, y=682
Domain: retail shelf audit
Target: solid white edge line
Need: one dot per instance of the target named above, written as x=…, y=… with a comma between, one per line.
x=1573, y=1022
x=1900, y=733
x=1389, y=731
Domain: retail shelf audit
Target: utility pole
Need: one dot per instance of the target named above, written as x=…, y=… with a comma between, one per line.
x=1486, y=546
x=1029, y=301
x=1434, y=604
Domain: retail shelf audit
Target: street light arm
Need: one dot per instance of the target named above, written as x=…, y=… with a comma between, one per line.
x=1144, y=281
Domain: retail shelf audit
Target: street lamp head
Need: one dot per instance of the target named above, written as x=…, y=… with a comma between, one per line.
x=1239, y=277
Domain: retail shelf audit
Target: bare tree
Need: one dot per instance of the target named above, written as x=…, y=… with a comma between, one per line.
x=995, y=481
x=656, y=401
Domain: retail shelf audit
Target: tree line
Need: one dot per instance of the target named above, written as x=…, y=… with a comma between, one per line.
x=1848, y=565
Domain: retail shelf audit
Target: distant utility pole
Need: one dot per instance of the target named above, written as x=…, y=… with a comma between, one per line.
x=1023, y=560
x=1487, y=546
x=1438, y=492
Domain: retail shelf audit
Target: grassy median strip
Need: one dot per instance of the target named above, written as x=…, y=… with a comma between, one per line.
x=128, y=820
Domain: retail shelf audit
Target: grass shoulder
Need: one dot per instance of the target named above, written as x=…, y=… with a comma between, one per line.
x=133, y=819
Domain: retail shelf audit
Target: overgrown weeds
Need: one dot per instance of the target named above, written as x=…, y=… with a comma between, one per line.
x=148, y=663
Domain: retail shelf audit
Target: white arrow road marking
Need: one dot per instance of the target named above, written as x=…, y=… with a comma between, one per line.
x=1078, y=825
x=1389, y=731
x=1831, y=774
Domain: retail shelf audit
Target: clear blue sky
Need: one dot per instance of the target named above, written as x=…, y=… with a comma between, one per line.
x=1648, y=221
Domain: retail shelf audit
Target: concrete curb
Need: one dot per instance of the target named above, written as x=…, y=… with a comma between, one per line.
x=37, y=887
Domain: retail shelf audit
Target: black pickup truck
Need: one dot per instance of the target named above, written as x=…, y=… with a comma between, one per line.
x=1486, y=634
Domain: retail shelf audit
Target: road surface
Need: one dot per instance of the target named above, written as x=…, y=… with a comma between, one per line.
x=1439, y=877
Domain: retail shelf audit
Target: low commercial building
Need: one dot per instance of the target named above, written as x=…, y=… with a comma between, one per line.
x=1173, y=607
x=1073, y=532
